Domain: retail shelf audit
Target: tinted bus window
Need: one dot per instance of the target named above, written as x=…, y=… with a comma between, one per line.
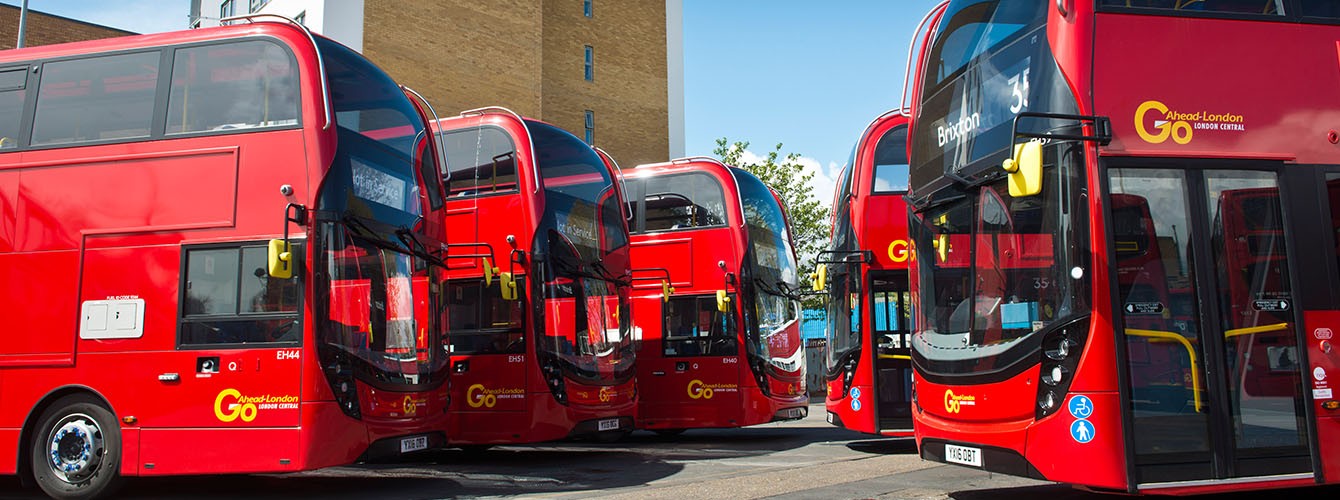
x=482, y=322
x=1320, y=8
x=1234, y=6
x=96, y=99
x=694, y=327
x=974, y=27
x=684, y=201
x=233, y=86
x=12, y=92
x=891, y=162
x=230, y=299
x=479, y=161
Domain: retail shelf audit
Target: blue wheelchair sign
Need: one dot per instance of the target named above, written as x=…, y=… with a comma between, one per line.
x=1082, y=431
x=1081, y=407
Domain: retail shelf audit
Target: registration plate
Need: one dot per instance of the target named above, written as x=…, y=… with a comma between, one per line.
x=608, y=424
x=963, y=455
x=793, y=413
x=413, y=444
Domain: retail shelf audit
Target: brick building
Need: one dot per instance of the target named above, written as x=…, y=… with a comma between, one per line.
x=606, y=70
x=46, y=29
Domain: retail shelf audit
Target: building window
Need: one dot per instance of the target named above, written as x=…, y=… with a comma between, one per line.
x=227, y=9
x=586, y=8
x=590, y=127
x=590, y=64
x=254, y=6
x=301, y=18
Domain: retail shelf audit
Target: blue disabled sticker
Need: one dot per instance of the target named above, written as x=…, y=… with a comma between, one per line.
x=855, y=392
x=1082, y=431
x=1081, y=407
x=855, y=404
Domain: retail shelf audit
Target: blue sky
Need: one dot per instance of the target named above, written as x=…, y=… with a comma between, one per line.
x=809, y=75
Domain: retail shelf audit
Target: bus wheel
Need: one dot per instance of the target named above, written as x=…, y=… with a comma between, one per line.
x=668, y=432
x=475, y=449
x=76, y=449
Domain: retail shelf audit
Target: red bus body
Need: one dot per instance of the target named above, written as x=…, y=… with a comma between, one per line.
x=869, y=370
x=1158, y=317
x=698, y=366
x=523, y=372
x=123, y=248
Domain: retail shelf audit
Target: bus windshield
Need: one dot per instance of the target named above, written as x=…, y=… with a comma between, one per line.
x=844, y=288
x=581, y=262
x=994, y=270
x=770, y=271
x=381, y=137
x=374, y=322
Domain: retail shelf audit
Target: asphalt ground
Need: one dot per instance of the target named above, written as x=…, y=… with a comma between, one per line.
x=789, y=460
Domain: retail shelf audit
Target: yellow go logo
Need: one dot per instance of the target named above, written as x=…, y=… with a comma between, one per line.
x=898, y=251
x=477, y=395
x=697, y=390
x=952, y=403
x=245, y=411
x=408, y=407
x=1179, y=130
x=605, y=394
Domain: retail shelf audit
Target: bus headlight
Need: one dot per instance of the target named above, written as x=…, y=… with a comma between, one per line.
x=1055, y=375
x=1059, y=360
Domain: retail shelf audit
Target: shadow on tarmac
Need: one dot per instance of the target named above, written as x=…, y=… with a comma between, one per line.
x=892, y=446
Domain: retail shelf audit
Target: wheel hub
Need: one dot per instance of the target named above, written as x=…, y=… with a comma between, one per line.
x=75, y=448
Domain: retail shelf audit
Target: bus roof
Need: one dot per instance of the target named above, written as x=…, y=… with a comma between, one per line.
x=275, y=28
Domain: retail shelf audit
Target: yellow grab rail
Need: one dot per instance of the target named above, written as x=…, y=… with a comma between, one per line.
x=1255, y=329
x=1190, y=352
x=895, y=356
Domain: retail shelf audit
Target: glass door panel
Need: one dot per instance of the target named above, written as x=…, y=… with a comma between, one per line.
x=891, y=333
x=1256, y=314
x=1154, y=269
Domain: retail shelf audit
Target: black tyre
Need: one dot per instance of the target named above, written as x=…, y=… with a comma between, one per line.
x=475, y=449
x=76, y=449
x=668, y=432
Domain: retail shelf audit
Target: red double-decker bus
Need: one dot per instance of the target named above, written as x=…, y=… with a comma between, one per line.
x=214, y=260
x=539, y=282
x=867, y=362
x=725, y=349
x=1126, y=264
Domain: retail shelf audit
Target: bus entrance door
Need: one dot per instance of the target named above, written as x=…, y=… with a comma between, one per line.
x=893, y=363
x=488, y=364
x=1210, y=328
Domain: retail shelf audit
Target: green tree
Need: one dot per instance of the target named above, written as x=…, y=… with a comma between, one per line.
x=808, y=215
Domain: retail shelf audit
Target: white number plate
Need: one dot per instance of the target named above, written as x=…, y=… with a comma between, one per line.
x=608, y=424
x=963, y=455
x=413, y=444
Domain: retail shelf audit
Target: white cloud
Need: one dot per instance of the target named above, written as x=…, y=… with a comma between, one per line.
x=825, y=177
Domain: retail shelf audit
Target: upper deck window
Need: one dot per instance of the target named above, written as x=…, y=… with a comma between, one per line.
x=96, y=99
x=480, y=161
x=891, y=162
x=232, y=86
x=1260, y=7
x=971, y=28
x=683, y=201
x=12, y=92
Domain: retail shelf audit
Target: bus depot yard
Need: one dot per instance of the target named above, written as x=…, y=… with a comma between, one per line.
x=806, y=458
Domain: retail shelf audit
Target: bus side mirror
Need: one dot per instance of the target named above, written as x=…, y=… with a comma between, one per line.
x=941, y=245
x=489, y=271
x=723, y=301
x=1025, y=169
x=281, y=259
x=508, y=285
x=666, y=290
x=820, y=277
